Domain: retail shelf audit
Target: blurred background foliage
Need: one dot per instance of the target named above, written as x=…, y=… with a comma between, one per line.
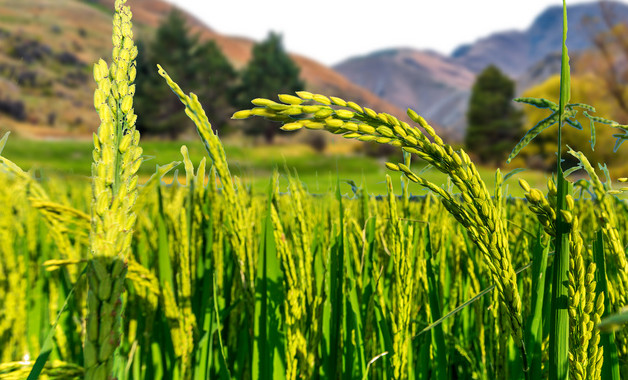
x=47, y=49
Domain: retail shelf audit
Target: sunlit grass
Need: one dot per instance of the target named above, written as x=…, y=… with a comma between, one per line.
x=253, y=164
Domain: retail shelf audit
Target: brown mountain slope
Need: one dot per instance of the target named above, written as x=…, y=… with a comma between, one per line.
x=431, y=84
x=47, y=48
x=318, y=77
x=46, y=51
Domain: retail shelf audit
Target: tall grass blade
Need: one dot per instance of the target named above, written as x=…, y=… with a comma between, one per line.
x=353, y=343
x=267, y=343
x=336, y=272
x=512, y=173
x=534, y=333
x=464, y=305
x=203, y=365
x=3, y=141
x=385, y=337
x=225, y=374
x=46, y=348
x=438, y=337
x=368, y=366
x=610, y=368
x=559, y=323
x=163, y=256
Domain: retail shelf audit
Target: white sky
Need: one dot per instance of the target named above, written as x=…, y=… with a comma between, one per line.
x=330, y=31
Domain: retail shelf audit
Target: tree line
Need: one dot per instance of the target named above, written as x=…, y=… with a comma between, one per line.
x=201, y=67
x=494, y=124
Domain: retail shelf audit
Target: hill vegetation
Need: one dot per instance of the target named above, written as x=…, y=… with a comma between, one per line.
x=49, y=93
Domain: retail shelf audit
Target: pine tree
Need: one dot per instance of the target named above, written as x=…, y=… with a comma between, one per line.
x=198, y=67
x=270, y=72
x=218, y=77
x=494, y=125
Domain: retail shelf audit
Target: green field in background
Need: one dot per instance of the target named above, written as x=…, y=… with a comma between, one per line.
x=253, y=164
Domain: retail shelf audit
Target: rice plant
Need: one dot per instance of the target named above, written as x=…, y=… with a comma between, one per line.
x=200, y=278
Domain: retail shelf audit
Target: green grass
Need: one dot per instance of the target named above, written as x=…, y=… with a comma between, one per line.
x=254, y=164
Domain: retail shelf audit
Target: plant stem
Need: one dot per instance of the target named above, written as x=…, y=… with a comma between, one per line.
x=559, y=322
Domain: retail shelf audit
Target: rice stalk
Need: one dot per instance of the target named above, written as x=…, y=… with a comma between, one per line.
x=117, y=158
x=239, y=216
x=403, y=287
x=477, y=213
x=585, y=308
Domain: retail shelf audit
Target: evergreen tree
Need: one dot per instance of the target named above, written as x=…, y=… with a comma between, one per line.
x=269, y=72
x=214, y=71
x=197, y=67
x=494, y=126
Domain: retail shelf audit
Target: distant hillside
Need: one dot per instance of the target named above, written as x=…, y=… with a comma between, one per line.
x=47, y=49
x=516, y=52
x=432, y=83
x=400, y=75
x=318, y=77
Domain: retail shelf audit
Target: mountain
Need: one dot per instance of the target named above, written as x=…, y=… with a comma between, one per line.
x=47, y=49
x=506, y=50
x=515, y=52
x=318, y=77
x=398, y=75
x=439, y=86
x=541, y=71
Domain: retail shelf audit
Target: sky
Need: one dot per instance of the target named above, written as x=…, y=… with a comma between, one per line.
x=330, y=31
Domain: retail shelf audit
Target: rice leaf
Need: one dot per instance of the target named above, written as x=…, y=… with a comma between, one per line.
x=267, y=345
x=203, y=364
x=353, y=338
x=336, y=297
x=3, y=141
x=512, y=173
x=385, y=337
x=573, y=169
x=534, y=328
x=225, y=374
x=610, y=369
x=46, y=348
x=464, y=305
x=368, y=366
x=163, y=255
x=438, y=338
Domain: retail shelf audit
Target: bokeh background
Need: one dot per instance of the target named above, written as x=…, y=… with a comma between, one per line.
x=458, y=64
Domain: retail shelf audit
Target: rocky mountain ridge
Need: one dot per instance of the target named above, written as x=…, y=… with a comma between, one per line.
x=438, y=86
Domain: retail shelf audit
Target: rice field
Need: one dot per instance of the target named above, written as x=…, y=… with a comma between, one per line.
x=315, y=273
x=205, y=278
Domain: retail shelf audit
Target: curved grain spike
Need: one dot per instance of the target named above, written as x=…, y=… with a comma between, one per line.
x=532, y=133
x=601, y=120
x=574, y=123
x=117, y=157
x=584, y=106
x=538, y=103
